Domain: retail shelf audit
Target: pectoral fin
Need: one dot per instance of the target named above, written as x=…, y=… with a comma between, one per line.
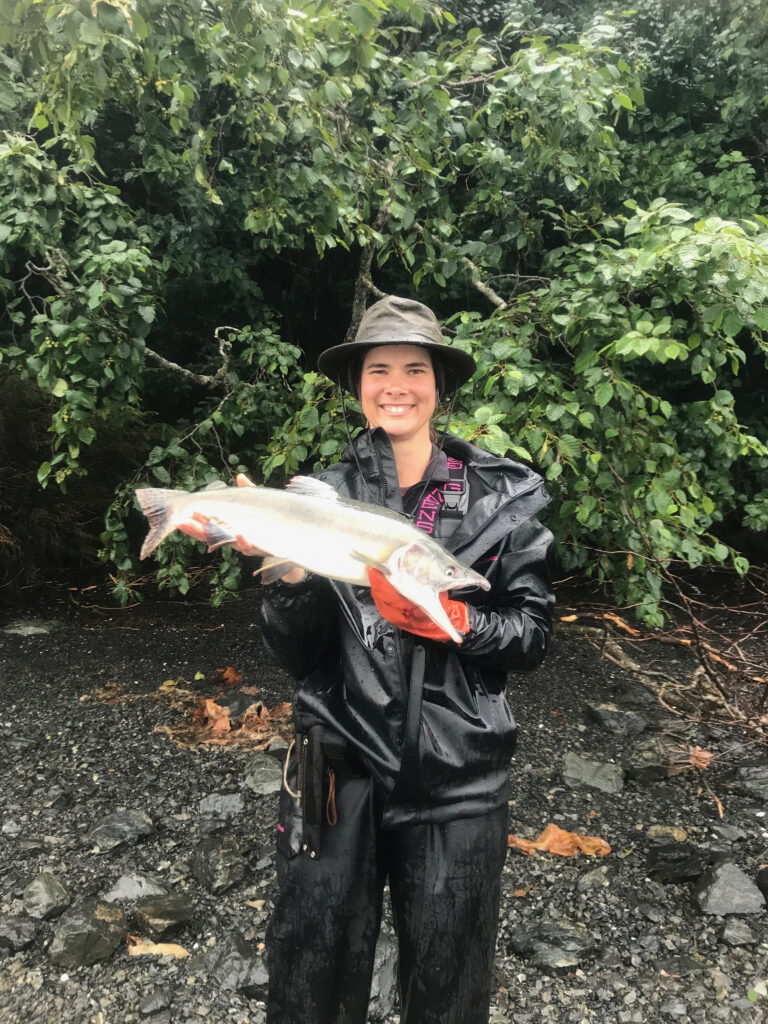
x=217, y=534
x=274, y=568
x=369, y=560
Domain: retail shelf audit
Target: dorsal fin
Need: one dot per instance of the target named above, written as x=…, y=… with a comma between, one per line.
x=312, y=488
x=214, y=485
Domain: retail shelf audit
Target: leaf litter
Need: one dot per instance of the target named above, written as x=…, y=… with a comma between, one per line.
x=209, y=722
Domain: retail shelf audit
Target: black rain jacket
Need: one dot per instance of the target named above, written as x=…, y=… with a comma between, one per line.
x=428, y=719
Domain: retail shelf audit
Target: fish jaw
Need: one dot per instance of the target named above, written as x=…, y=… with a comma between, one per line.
x=429, y=602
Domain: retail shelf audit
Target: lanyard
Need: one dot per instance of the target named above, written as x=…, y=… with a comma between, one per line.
x=448, y=500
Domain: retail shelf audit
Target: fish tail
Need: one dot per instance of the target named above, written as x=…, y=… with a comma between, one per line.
x=158, y=505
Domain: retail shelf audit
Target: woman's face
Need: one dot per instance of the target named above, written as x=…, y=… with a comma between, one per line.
x=398, y=391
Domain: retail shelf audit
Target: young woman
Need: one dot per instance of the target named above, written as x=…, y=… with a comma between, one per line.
x=403, y=736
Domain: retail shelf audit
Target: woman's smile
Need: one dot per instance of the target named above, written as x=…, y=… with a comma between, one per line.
x=398, y=391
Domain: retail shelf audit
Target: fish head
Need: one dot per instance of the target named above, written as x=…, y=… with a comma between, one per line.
x=433, y=568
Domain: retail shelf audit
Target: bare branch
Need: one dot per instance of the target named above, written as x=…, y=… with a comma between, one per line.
x=204, y=380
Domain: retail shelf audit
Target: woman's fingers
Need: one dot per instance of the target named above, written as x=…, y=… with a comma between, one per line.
x=243, y=481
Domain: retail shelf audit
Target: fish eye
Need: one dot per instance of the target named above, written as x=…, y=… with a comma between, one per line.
x=450, y=571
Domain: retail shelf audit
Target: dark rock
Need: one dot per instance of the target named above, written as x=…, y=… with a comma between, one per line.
x=643, y=764
x=761, y=880
x=725, y=889
x=121, y=828
x=674, y=1008
x=222, y=804
x=727, y=833
x=753, y=781
x=264, y=776
x=16, y=932
x=157, y=1000
x=236, y=967
x=580, y=771
x=46, y=897
x=87, y=932
x=384, y=986
x=676, y=863
x=617, y=720
x=278, y=749
x=651, y=912
x=553, y=946
x=133, y=887
x=218, y=863
x=738, y=933
x=162, y=916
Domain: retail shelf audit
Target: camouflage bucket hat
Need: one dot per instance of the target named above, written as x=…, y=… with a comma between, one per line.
x=397, y=321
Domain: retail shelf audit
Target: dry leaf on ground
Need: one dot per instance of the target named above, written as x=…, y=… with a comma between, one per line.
x=228, y=676
x=558, y=841
x=140, y=947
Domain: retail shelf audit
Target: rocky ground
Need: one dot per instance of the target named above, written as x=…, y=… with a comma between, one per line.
x=109, y=828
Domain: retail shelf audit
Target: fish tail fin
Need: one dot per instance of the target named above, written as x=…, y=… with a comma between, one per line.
x=158, y=505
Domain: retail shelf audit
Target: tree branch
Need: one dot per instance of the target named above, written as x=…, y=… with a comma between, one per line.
x=364, y=284
x=204, y=380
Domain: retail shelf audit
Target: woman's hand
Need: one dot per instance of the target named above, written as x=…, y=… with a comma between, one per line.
x=406, y=615
x=295, y=575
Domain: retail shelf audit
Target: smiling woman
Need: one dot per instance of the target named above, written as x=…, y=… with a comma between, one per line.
x=403, y=733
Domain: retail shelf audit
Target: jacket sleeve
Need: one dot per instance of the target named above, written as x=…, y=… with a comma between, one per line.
x=513, y=629
x=299, y=623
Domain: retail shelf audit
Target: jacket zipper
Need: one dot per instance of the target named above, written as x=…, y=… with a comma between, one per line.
x=465, y=544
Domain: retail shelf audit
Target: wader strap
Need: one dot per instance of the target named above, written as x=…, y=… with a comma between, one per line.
x=448, y=500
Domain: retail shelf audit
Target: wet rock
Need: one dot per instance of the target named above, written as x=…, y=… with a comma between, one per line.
x=597, y=877
x=580, y=771
x=728, y=833
x=218, y=864
x=162, y=916
x=236, y=967
x=753, y=781
x=46, y=897
x=725, y=889
x=278, y=749
x=222, y=805
x=667, y=832
x=31, y=627
x=738, y=933
x=133, y=887
x=553, y=946
x=674, y=1008
x=156, y=1001
x=675, y=863
x=121, y=828
x=622, y=722
x=384, y=986
x=16, y=932
x=89, y=931
x=265, y=775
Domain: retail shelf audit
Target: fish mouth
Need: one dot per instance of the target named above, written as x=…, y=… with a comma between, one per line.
x=468, y=580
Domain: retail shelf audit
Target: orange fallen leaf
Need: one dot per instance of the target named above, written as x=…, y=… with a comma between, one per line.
x=140, y=947
x=701, y=758
x=558, y=841
x=212, y=716
x=568, y=618
x=522, y=892
x=228, y=676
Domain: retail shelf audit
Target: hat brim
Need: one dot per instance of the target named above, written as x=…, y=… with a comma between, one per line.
x=335, y=362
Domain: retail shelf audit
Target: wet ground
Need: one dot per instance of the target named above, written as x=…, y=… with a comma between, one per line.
x=598, y=939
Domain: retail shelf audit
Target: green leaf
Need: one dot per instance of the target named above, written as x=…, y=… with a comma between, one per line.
x=603, y=393
x=623, y=100
x=60, y=388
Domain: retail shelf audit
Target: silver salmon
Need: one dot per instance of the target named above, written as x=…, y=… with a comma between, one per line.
x=309, y=525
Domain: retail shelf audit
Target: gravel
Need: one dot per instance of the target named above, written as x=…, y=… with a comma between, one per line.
x=109, y=812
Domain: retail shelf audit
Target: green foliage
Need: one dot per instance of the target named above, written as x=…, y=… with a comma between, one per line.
x=579, y=195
